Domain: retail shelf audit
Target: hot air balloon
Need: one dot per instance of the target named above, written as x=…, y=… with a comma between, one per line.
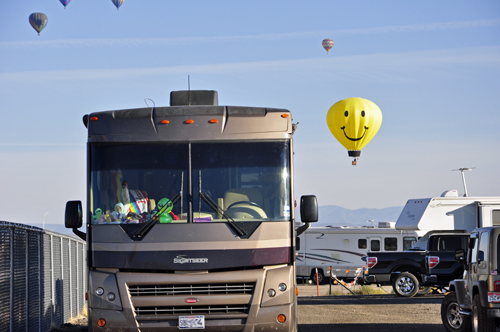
x=354, y=122
x=118, y=3
x=327, y=44
x=65, y=2
x=38, y=21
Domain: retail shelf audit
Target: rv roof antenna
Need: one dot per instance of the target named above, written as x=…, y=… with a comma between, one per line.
x=463, y=177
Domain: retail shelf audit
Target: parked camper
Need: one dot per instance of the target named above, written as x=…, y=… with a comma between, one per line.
x=343, y=249
x=449, y=213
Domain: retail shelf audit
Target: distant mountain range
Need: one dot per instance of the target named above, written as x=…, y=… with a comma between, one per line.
x=328, y=215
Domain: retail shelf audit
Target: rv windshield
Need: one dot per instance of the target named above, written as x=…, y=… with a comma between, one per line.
x=240, y=181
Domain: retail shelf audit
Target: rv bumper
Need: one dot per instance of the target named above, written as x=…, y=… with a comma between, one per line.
x=265, y=320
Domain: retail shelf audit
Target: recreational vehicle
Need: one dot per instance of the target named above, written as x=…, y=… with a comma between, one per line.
x=342, y=250
x=190, y=219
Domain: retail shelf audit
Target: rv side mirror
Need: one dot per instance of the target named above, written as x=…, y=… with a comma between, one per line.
x=73, y=215
x=308, y=208
x=460, y=255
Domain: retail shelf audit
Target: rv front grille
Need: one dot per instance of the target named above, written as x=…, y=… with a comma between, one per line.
x=193, y=310
x=205, y=289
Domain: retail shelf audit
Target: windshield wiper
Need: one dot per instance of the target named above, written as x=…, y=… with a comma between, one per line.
x=239, y=231
x=148, y=224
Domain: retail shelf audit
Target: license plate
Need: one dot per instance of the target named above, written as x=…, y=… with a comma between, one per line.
x=493, y=297
x=191, y=322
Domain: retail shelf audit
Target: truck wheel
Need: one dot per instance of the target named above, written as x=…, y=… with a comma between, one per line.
x=480, y=320
x=321, y=277
x=405, y=284
x=453, y=321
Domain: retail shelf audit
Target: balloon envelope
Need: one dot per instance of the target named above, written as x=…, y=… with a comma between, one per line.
x=327, y=44
x=65, y=2
x=38, y=21
x=354, y=122
x=118, y=3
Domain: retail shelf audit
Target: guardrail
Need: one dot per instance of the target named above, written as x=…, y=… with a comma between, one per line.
x=42, y=278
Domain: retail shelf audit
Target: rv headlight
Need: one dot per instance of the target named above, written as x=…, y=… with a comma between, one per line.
x=282, y=287
x=111, y=296
x=99, y=291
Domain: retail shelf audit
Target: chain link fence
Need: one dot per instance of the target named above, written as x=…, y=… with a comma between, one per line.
x=42, y=278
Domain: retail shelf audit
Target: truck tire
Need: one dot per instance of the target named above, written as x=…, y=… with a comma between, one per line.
x=321, y=276
x=480, y=320
x=453, y=321
x=405, y=284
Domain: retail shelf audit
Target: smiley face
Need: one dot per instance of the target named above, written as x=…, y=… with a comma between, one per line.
x=346, y=114
x=354, y=122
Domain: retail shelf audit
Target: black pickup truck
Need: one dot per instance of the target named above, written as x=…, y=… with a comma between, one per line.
x=429, y=263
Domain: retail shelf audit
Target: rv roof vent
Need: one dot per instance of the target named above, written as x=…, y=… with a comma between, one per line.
x=450, y=193
x=194, y=98
x=386, y=224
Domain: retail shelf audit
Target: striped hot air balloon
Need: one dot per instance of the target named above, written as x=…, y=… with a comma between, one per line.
x=118, y=3
x=327, y=44
x=38, y=21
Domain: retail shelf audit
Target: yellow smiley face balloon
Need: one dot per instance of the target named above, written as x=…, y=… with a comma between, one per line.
x=354, y=122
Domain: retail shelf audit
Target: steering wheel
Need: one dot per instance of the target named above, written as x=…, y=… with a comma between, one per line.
x=243, y=202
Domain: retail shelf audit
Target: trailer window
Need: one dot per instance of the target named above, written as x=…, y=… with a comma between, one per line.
x=495, y=217
x=408, y=242
x=362, y=244
x=375, y=245
x=390, y=244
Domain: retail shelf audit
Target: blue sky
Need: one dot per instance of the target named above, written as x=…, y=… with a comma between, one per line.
x=431, y=66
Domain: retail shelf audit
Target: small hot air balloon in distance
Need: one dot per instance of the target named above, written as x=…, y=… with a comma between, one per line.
x=118, y=3
x=38, y=21
x=65, y=2
x=327, y=44
x=354, y=122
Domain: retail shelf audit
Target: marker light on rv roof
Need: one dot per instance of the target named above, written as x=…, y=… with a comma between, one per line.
x=285, y=115
x=165, y=121
x=189, y=121
x=94, y=118
x=213, y=121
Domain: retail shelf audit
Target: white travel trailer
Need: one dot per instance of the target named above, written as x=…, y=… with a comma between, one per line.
x=343, y=249
x=450, y=212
